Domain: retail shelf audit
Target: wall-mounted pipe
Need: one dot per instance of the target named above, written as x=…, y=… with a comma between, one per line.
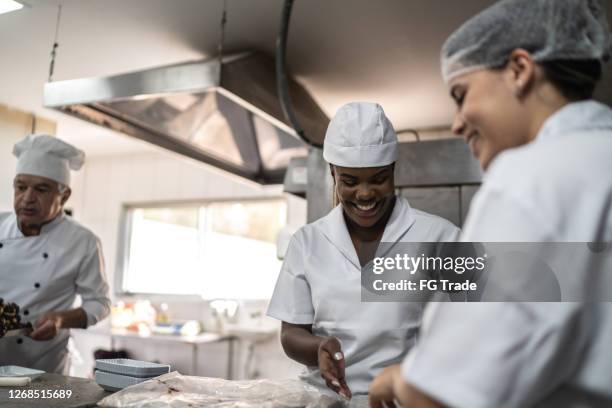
x=281, y=77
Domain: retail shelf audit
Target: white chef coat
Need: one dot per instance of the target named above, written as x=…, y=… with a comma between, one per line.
x=320, y=284
x=555, y=189
x=44, y=273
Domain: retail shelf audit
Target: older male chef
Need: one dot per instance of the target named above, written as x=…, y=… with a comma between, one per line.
x=47, y=258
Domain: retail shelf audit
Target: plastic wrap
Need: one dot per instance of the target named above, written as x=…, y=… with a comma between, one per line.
x=177, y=391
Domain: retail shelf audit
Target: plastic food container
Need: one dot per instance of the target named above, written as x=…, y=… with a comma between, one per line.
x=132, y=368
x=116, y=382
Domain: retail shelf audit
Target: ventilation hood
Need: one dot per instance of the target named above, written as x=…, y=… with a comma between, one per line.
x=222, y=112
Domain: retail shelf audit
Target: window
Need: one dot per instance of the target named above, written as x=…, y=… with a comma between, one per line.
x=215, y=250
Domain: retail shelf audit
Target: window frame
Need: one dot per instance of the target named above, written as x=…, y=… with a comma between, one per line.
x=125, y=236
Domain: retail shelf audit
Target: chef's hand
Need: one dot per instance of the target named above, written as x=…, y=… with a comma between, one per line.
x=47, y=326
x=331, y=366
x=381, y=392
x=390, y=390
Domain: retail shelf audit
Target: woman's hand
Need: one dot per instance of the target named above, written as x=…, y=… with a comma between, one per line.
x=381, y=389
x=325, y=352
x=331, y=366
x=390, y=390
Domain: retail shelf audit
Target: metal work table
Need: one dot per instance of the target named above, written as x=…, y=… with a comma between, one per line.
x=85, y=393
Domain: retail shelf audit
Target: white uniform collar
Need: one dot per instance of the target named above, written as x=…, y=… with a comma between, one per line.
x=56, y=221
x=402, y=218
x=333, y=226
x=576, y=117
x=44, y=229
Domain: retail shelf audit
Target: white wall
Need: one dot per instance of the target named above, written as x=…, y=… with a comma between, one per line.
x=7, y=170
x=14, y=125
x=107, y=183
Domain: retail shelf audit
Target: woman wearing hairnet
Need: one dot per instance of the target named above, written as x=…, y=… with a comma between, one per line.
x=522, y=74
x=343, y=342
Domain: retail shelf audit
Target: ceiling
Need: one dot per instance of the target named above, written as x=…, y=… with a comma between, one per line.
x=342, y=50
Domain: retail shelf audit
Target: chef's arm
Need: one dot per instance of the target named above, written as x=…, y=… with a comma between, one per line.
x=411, y=397
x=73, y=319
x=389, y=386
x=92, y=285
x=300, y=344
x=325, y=352
x=48, y=325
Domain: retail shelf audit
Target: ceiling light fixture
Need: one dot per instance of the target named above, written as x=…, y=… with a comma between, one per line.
x=6, y=6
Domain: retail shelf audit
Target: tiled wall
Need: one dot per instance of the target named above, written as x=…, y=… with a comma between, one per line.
x=107, y=183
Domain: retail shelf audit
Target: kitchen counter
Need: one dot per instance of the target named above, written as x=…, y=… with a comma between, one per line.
x=193, y=342
x=85, y=393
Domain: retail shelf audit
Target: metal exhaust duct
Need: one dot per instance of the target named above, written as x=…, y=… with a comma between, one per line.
x=222, y=112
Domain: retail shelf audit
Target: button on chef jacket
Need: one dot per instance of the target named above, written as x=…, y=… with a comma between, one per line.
x=320, y=284
x=44, y=273
x=555, y=189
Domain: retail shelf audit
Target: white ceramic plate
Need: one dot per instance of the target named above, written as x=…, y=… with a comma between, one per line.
x=16, y=371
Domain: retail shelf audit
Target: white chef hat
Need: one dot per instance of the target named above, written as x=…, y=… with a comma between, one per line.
x=548, y=29
x=360, y=135
x=47, y=156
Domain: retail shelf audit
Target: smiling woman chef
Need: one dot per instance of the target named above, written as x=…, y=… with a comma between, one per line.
x=47, y=258
x=522, y=74
x=342, y=341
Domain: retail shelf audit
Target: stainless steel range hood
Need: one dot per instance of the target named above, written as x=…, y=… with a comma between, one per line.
x=224, y=113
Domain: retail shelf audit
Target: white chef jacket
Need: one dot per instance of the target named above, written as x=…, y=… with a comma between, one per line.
x=320, y=284
x=556, y=189
x=44, y=273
